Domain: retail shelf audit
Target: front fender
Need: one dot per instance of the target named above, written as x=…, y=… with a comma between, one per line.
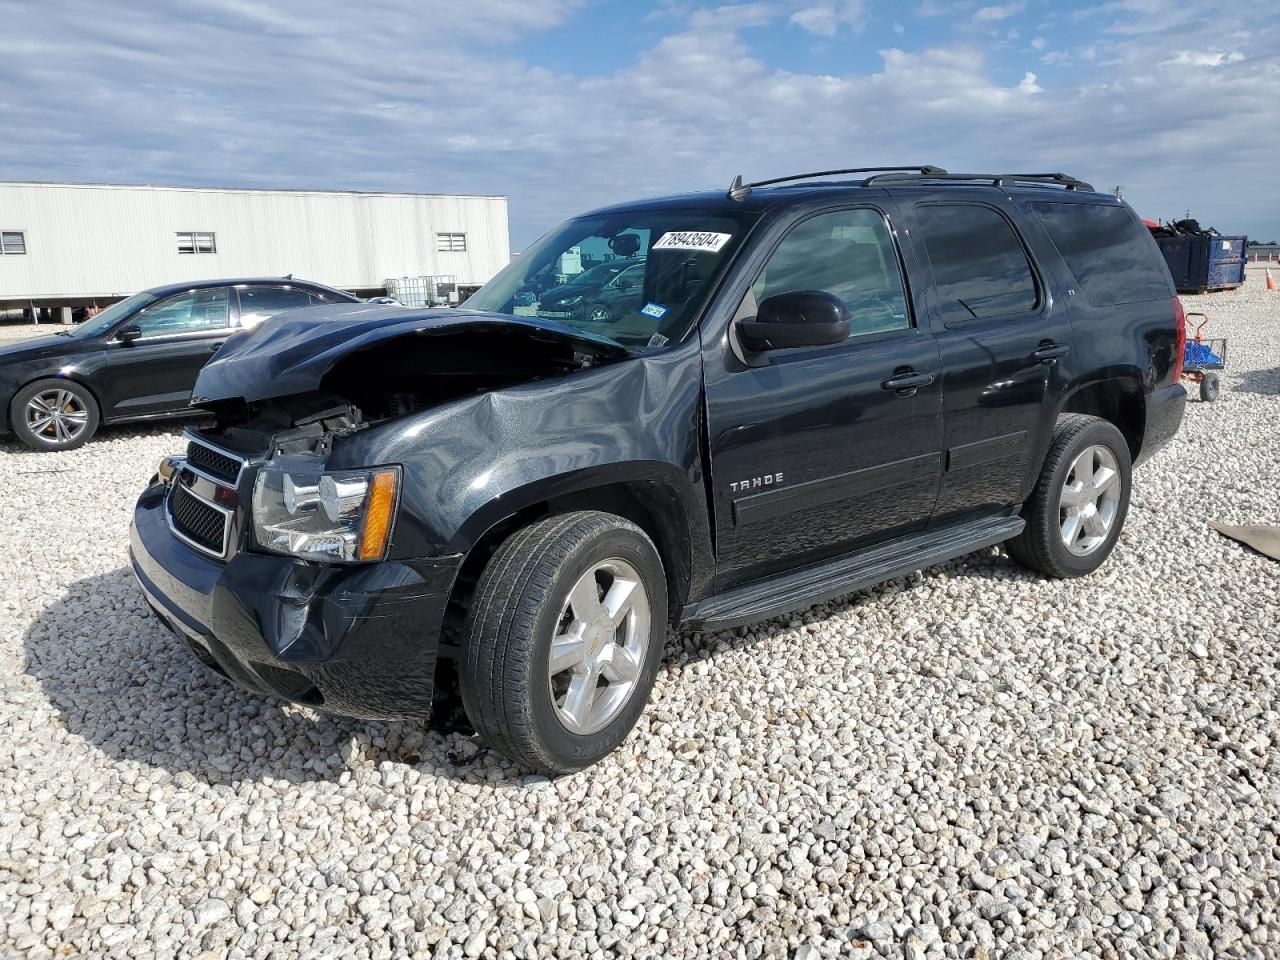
x=470, y=463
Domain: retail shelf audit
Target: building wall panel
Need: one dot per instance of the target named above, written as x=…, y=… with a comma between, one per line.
x=105, y=241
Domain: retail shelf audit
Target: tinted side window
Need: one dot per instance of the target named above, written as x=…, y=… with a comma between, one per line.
x=847, y=253
x=1108, y=252
x=193, y=312
x=257, y=303
x=979, y=266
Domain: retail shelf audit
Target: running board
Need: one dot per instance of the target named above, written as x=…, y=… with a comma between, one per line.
x=811, y=585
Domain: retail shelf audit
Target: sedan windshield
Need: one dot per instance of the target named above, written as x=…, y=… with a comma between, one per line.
x=638, y=278
x=117, y=311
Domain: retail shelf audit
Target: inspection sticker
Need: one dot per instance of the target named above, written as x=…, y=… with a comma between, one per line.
x=692, y=240
x=655, y=310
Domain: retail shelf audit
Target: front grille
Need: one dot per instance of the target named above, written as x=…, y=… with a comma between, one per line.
x=213, y=462
x=202, y=524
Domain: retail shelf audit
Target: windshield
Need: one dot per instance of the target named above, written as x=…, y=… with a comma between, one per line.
x=638, y=277
x=117, y=311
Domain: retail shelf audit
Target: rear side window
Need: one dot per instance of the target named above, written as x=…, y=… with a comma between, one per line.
x=257, y=303
x=1108, y=252
x=979, y=266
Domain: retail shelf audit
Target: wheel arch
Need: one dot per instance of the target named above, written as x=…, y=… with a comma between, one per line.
x=1118, y=399
x=655, y=503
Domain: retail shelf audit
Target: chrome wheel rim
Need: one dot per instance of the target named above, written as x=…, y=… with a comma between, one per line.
x=1089, y=500
x=56, y=415
x=598, y=315
x=598, y=651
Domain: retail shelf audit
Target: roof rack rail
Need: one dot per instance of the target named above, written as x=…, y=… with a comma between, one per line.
x=996, y=179
x=738, y=190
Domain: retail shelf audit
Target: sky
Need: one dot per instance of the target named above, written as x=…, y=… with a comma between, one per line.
x=565, y=105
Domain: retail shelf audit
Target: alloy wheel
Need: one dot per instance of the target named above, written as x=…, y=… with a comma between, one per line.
x=57, y=416
x=1089, y=500
x=598, y=652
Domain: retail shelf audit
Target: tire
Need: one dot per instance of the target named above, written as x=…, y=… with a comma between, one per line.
x=75, y=415
x=1210, y=386
x=522, y=600
x=1042, y=545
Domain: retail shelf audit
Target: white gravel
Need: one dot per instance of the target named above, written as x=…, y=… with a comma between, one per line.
x=966, y=763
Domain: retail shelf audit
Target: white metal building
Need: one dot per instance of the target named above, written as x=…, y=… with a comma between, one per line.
x=64, y=244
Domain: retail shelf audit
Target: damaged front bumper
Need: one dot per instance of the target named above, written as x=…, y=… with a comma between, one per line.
x=358, y=640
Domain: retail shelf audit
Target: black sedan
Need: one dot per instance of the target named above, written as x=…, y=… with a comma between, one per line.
x=137, y=360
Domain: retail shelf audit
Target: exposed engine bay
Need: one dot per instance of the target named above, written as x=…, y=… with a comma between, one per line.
x=381, y=378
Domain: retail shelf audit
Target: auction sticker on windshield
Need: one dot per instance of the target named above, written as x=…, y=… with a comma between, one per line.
x=692, y=240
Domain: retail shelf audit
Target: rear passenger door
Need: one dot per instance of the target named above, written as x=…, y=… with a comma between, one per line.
x=1004, y=345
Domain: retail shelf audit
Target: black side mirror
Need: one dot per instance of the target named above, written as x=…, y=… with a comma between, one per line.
x=801, y=318
x=625, y=283
x=129, y=333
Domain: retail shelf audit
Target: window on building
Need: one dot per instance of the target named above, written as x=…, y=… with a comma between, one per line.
x=196, y=243
x=848, y=254
x=13, y=243
x=979, y=266
x=451, y=242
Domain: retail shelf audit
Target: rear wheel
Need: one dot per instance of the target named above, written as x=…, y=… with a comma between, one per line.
x=563, y=640
x=1077, y=509
x=54, y=415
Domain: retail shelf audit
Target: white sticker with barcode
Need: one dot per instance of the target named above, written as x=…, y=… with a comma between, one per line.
x=692, y=240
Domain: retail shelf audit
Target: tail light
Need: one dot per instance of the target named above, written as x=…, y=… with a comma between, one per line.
x=1180, y=347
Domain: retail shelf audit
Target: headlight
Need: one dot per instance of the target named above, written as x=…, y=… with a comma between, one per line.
x=569, y=301
x=304, y=511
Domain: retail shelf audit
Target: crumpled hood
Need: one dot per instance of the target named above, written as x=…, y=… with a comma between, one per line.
x=290, y=353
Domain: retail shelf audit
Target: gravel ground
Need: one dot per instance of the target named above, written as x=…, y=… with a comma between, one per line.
x=965, y=763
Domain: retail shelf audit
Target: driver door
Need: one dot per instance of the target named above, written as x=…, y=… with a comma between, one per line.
x=814, y=453
x=154, y=374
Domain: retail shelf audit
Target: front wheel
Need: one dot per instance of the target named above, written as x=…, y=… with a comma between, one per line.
x=1075, y=513
x=564, y=639
x=54, y=415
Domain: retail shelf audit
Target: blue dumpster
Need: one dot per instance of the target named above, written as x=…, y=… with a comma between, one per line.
x=1203, y=263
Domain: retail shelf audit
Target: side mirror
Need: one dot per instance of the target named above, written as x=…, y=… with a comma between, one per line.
x=129, y=333
x=625, y=283
x=801, y=318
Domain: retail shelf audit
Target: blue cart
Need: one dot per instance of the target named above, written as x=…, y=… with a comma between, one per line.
x=1205, y=358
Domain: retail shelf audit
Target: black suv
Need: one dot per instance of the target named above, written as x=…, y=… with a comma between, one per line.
x=137, y=360
x=828, y=381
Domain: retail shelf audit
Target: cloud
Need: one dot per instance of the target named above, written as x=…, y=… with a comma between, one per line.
x=1191, y=58
x=1038, y=43
x=443, y=98
x=997, y=12
x=826, y=18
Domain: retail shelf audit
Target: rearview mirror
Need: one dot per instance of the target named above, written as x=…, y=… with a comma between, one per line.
x=129, y=333
x=801, y=318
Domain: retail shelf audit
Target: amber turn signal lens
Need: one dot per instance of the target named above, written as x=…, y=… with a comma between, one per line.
x=377, y=518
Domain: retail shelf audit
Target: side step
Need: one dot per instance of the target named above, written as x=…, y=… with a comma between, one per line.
x=810, y=585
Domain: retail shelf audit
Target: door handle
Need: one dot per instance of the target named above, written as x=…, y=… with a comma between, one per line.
x=1049, y=352
x=906, y=383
